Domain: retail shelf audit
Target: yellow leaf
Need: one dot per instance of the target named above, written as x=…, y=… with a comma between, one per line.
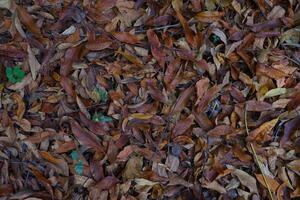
x=131, y=58
x=275, y=92
x=141, y=116
x=177, y=5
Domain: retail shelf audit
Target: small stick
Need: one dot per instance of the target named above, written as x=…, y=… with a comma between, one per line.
x=256, y=158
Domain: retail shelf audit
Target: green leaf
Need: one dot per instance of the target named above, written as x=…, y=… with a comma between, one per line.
x=74, y=155
x=102, y=93
x=98, y=117
x=79, y=167
x=14, y=74
x=275, y=92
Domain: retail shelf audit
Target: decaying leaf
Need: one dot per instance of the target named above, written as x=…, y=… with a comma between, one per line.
x=148, y=99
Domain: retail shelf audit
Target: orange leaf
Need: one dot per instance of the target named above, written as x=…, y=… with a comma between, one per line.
x=272, y=183
x=189, y=35
x=28, y=21
x=209, y=16
x=21, y=105
x=261, y=133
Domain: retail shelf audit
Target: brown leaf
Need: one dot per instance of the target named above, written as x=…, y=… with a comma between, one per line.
x=183, y=125
x=66, y=83
x=289, y=128
x=85, y=137
x=258, y=106
x=156, y=47
x=126, y=37
x=269, y=24
x=209, y=16
x=33, y=63
x=171, y=71
x=201, y=87
x=182, y=100
x=261, y=134
x=21, y=105
x=246, y=180
x=8, y=50
x=262, y=69
x=106, y=183
x=208, y=97
x=221, y=130
x=72, y=55
x=98, y=44
x=28, y=21
x=190, y=38
x=133, y=168
x=125, y=153
x=62, y=164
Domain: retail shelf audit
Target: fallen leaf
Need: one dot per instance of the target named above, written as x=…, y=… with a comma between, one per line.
x=209, y=16
x=246, y=180
x=106, y=183
x=33, y=63
x=272, y=183
x=261, y=134
x=85, y=137
x=156, y=47
x=126, y=37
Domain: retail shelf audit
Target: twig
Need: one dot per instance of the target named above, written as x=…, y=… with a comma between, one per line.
x=190, y=22
x=159, y=28
x=256, y=158
x=293, y=45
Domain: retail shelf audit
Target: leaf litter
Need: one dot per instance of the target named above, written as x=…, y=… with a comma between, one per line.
x=174, y=99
